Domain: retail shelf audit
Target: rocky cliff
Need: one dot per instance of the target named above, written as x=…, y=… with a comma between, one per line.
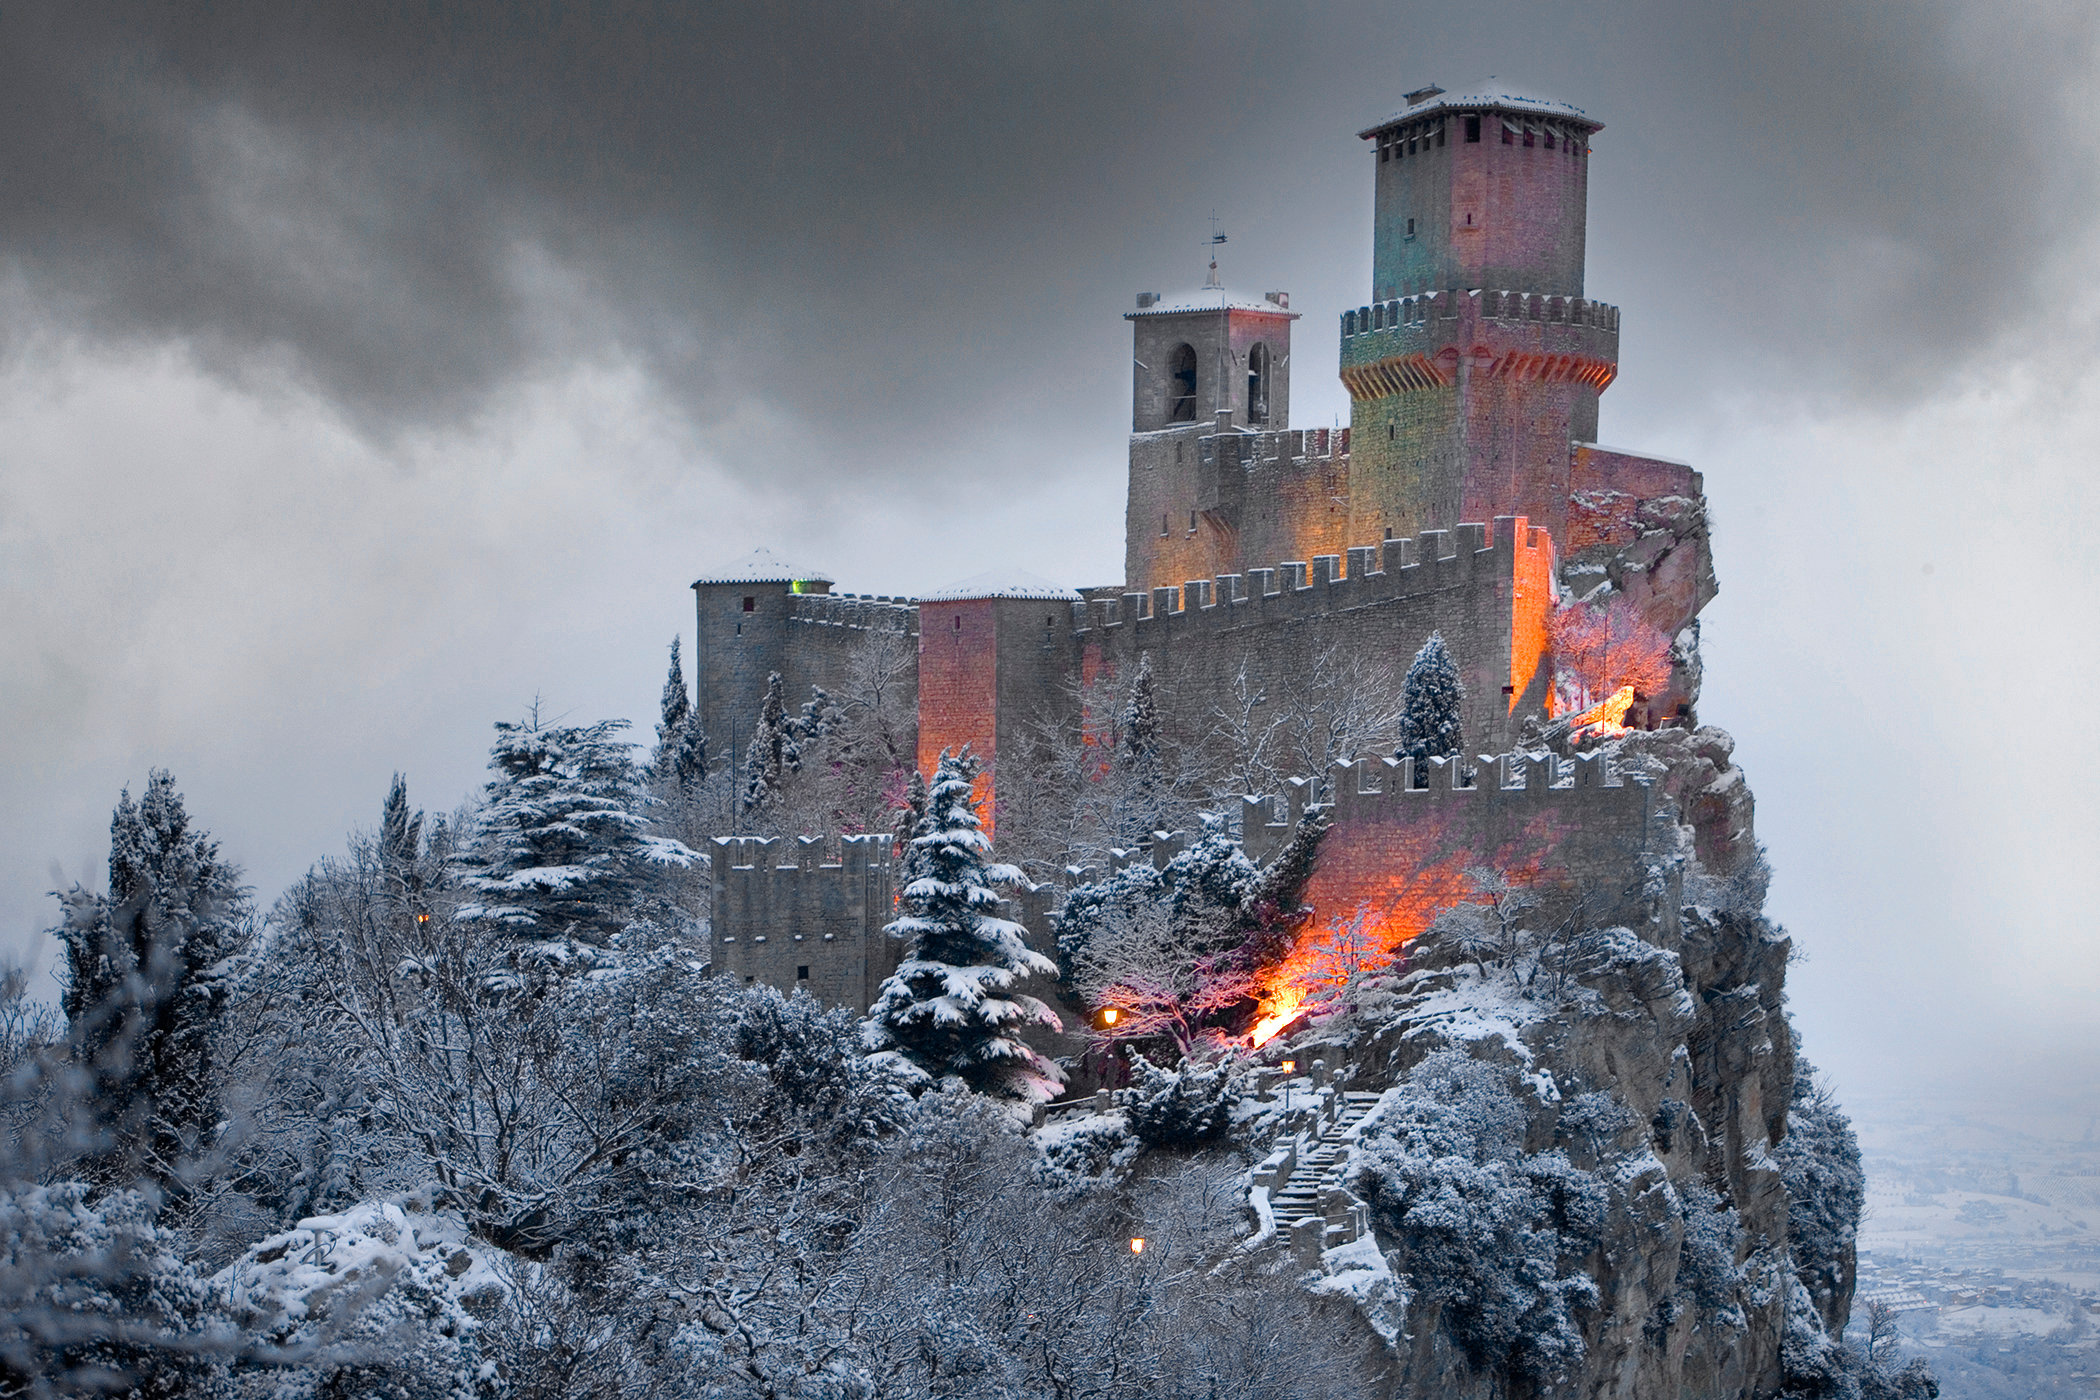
x=1576, y=1171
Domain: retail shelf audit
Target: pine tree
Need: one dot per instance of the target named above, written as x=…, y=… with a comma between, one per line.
x=950, y=1009
x=772, y=751
x=147, y=977
x=400, y=834
x=680, y=761
x=1433, y=698
x=1140, y=761
x=561, y=852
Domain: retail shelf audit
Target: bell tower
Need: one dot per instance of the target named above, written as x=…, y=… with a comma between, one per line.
x=1203, y=364
x=1479, y=360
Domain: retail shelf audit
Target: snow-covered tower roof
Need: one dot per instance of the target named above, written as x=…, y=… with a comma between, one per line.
x=1002, y=583
x=762, y=565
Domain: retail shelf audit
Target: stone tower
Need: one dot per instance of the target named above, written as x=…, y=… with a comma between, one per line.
x=744, y=612
x=1207, y=362
x=1479, y=360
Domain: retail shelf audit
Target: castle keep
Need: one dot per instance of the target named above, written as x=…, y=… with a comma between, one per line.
x=1468, y=496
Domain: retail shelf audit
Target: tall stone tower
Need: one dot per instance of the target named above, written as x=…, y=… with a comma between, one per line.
x=1206, y=362
x=1479, y=360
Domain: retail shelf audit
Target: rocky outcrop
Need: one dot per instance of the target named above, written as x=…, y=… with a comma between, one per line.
x=1650, y=1069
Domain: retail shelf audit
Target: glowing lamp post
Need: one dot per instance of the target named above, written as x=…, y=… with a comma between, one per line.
x=1137, y=1244
x=1110, y=1015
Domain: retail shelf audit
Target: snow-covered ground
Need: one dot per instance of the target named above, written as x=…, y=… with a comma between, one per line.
x=1989, y=1208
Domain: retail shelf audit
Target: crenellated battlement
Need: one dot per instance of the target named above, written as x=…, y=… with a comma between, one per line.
x=1408, y=343
x=1298, y=448
x=1434, y=560
x=864, y=612
x=1377, y=789
x=1488, y=304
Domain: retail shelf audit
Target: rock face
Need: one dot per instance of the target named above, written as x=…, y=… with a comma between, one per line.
x=1643, y=1072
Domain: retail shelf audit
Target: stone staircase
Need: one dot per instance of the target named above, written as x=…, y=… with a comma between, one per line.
x=1297, y=1190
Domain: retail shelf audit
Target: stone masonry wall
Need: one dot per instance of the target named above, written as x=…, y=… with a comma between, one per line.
x=1403, y=834
x=785, y=914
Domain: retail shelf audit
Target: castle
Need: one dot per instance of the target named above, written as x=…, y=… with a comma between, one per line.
x=1468, y=496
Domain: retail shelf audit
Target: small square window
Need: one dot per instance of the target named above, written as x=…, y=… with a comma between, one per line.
x=802, y=973
x=750, y=604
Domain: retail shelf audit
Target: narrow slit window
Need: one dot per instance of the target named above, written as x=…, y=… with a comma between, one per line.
x=1473, y=130
x=1192, y=522
x=1257, y=384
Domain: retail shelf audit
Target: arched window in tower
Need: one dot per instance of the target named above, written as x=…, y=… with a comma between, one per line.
x=1181, y=385
x=1258, y=384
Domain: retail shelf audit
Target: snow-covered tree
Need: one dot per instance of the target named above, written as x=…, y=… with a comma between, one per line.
x=148, y=970
x=951, y=1008
x=1491, y=1233
x=772, y=752
x=680, y=759
x=562, y=852
x=1432, y=699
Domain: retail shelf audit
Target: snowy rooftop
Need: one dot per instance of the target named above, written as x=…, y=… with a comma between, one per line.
x=762, y=565
x=1001, y=583
x=1211, y=299
x=1488, y=93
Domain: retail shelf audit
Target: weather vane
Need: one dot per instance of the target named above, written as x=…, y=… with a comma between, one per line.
x=1215, y=239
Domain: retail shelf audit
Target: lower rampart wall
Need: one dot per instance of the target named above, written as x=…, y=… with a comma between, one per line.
x=1403, y=834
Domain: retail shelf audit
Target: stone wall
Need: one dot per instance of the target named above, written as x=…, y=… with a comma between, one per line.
x=1469, y=583
x=1403, y=834
x=789, y=914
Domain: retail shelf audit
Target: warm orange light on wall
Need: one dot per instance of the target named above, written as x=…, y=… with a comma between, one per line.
x=1607, y=716
x=1137, y=1244
x=1530, y=608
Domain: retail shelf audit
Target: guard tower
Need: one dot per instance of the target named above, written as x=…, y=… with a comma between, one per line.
x=1479, y=360
x=1205, y=362
x=743, y=613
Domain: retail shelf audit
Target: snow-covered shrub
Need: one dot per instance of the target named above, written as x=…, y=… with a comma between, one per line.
x=813, y=1059
x=1706, y=1269
x=1826, y=1189
x=1085, y=1151
x=1183, y=1106
x=377, y=1300
x=1740, y=895
x=1479, y=1226
x=94, y=1299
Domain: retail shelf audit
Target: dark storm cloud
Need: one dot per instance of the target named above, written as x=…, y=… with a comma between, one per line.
x=884, y=220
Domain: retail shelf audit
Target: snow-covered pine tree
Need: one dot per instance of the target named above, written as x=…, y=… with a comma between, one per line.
x=561, y=853
x=148, y=971
x=680, y=760
x=772, y=751
x=404, y=860
x=1140, y=762
x=950, y=1009
x=1433, y=697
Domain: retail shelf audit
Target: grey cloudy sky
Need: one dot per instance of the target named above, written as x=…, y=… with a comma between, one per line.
x=366, y=370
